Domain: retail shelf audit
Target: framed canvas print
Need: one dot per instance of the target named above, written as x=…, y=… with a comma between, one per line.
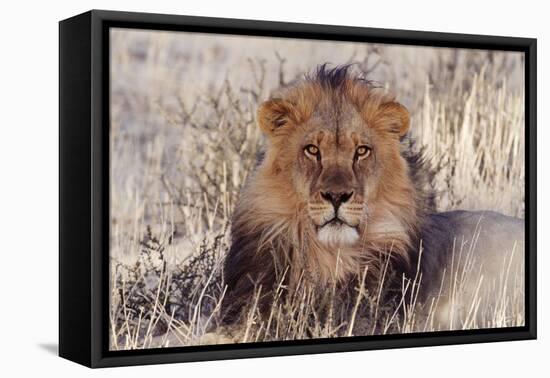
x=234, y=188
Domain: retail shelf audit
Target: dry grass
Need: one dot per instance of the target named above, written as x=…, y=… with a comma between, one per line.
x=184, y=139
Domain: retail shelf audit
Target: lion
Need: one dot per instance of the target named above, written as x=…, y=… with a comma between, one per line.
x=340, y=189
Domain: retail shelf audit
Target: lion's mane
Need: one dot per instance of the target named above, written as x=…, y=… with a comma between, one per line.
x=271, y=244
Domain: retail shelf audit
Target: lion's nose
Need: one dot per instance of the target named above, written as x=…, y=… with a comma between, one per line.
x=336, y=198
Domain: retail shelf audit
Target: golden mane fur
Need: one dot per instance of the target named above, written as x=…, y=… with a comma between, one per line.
x=274, y=231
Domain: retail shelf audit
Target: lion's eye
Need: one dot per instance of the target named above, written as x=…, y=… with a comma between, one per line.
x=312, y=150
x=362, y=152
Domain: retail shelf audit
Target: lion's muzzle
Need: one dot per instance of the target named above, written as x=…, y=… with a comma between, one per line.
x=336, y=217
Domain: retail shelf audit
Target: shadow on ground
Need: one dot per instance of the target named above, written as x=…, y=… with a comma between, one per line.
x=51, y=348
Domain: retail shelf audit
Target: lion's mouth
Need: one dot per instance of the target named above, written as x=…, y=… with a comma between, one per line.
x=337, y=232
x=336, y=221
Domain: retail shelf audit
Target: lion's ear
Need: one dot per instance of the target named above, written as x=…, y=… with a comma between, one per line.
x=394, y=117
x=274, y=114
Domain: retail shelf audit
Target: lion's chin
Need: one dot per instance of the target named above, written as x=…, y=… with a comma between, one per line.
x=337, y=234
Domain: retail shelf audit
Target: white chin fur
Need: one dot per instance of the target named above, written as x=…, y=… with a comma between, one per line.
x=337, y=234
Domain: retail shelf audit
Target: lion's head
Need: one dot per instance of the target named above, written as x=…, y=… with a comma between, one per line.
x=336, y=188
x=335, y=141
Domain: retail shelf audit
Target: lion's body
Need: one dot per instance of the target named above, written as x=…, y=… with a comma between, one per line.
x=339, y=191
x=474, y=258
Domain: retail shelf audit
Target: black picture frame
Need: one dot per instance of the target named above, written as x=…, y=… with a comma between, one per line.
x=84, y=186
